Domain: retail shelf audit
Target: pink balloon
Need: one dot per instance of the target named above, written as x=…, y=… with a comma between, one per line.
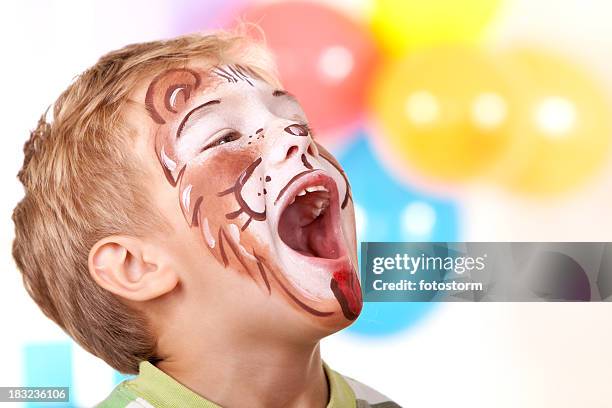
x=324, y=58
x=199, y=15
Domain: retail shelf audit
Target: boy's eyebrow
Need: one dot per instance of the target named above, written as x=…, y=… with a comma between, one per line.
x=191, y=112
x=282, y=92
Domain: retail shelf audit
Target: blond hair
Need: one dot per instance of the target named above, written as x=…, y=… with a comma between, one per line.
x=82, y=183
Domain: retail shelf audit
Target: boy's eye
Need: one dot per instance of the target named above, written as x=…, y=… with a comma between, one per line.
x=226, y=138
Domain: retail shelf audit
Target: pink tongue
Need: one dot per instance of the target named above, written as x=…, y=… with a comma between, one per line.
x=347, y=290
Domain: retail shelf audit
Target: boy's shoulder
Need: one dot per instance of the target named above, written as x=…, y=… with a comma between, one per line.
x=367, y=397
x=358, y=395
x=122, y=396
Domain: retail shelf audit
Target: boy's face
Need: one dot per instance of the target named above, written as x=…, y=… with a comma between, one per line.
x=261, y=197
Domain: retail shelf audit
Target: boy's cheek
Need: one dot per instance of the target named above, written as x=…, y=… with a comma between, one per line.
x=208, y=194
x=203, y=183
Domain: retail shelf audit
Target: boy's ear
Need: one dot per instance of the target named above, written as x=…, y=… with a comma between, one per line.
x=130, y=268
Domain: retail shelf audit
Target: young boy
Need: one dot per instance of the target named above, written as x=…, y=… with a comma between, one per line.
x=181, y=222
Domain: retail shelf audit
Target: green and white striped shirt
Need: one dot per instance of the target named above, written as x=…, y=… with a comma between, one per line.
x=153, y=388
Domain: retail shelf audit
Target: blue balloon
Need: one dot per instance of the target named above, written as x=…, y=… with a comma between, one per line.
x=388, y=210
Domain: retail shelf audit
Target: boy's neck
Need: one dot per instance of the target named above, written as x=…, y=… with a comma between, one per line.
x=259, y=375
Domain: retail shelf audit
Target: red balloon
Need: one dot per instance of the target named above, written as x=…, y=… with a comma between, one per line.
x=324, y=58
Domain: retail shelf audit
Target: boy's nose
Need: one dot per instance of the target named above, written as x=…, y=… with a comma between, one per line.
x=293, y=141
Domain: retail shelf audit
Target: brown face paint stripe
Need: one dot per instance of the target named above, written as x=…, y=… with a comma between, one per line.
x=221, y=72
x=262, y=272
x=240, y=75
x=284, y=189
x=259, y=130
x=233, y=214
x=237, y=190
x=248, y=71
x=218, y=72
x=225, y=192
x=228, y=75
x=246, y=224
x=169, y=175
x=196, y=212
x=235, y=73
x=298, y=301
x=191, y=112
x=347, y=194
x=234, y=249
x=306, y=163
x=346, y=310
x=222, y=248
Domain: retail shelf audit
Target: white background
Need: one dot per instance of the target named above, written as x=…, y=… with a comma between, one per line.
x=462, y=355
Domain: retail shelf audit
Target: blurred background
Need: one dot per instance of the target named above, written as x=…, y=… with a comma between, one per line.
x=472, y=120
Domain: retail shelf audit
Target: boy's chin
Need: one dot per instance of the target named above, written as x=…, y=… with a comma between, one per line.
x=318, y=327
x=334, y=323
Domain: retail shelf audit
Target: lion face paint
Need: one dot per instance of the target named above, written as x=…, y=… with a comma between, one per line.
x=268, y=201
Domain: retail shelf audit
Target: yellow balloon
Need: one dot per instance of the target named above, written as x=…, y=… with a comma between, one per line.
x=445, y=113
x=407, y=24
x=563, y=127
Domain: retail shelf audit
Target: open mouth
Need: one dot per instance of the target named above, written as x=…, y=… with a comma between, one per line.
x=309, y=221
x=309, y=224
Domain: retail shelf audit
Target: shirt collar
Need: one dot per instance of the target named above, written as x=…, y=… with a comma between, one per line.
x=160, y=389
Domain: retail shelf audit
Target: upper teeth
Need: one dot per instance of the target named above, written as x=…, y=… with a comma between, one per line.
x=311, y=189
x=315, y=188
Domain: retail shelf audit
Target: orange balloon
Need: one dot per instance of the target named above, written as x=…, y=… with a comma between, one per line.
x=562, y=129
x=445, y=113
